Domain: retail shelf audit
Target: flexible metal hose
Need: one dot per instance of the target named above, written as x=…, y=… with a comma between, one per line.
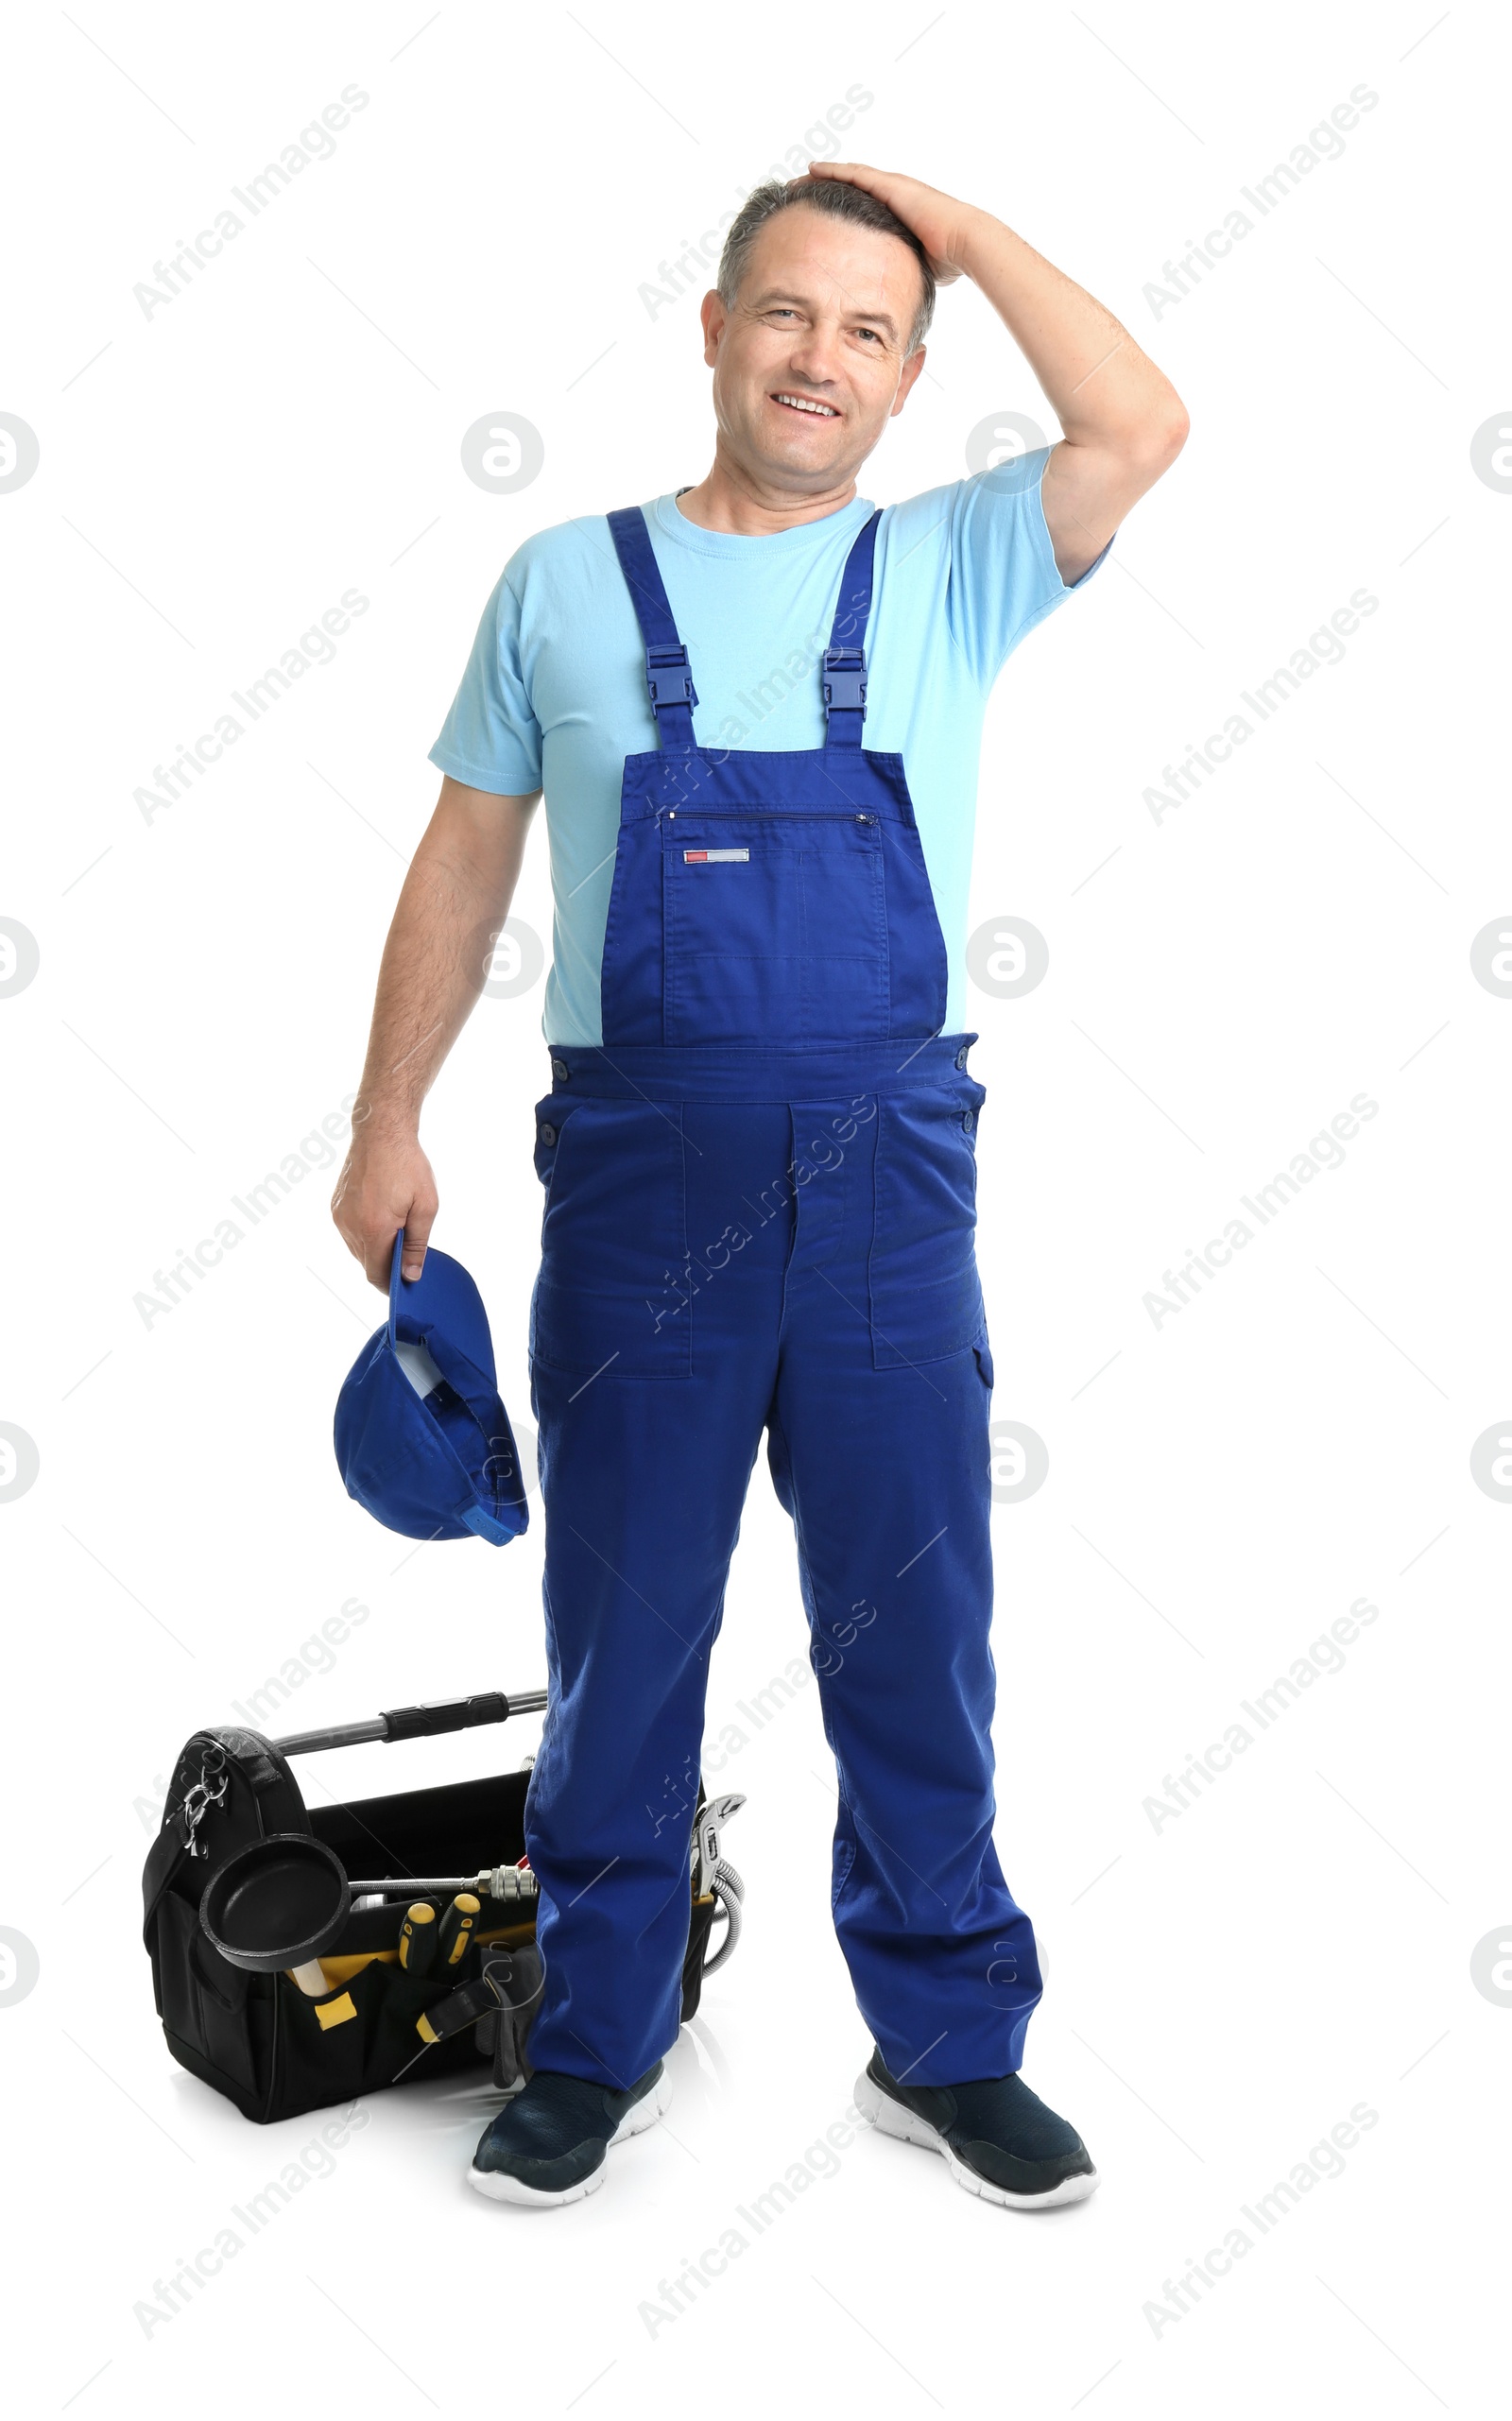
x=728, y=1891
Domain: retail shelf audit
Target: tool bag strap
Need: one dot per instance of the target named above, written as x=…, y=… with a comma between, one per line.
x=261, y=1796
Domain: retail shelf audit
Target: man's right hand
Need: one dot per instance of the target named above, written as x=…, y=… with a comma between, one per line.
x=385, y=1183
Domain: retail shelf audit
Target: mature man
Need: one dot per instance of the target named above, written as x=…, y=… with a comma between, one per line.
x=755, y=710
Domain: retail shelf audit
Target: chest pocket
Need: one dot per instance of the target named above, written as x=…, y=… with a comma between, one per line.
x=775, y=927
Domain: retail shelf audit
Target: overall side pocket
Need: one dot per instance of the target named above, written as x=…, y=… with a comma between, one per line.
x=611, y=1296
x=926, y=1297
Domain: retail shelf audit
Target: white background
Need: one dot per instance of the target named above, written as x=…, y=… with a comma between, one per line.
x=1221, y=1488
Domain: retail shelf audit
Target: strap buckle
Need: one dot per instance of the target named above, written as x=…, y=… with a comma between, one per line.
x=844, y=680
x=667, y=677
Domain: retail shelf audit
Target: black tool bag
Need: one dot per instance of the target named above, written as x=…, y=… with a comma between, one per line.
x=261, y=2040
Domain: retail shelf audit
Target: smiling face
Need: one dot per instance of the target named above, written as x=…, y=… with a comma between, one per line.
x=809, y=362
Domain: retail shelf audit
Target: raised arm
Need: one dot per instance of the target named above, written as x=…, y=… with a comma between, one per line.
x=1123, y=421
x=451, y=910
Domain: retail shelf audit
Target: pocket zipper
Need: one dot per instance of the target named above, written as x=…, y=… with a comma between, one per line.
x=736, y=815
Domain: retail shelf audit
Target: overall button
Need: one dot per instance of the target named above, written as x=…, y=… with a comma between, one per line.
x=548, y=1134
x=960, y=1056
x=967, y=1122
x=561, y=1072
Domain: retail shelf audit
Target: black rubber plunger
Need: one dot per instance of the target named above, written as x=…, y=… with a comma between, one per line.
x=276, y=1903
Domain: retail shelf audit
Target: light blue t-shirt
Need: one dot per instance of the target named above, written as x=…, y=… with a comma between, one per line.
x=554, y=696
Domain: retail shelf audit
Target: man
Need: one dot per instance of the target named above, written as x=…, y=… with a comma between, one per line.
x=755, y=709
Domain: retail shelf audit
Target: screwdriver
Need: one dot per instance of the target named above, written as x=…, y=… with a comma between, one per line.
x=417, y=1939
x=456, y=1930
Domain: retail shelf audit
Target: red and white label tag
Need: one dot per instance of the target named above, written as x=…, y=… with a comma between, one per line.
x=716, y=856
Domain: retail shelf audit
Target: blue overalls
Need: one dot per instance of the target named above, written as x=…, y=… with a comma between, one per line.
x=760, y=1214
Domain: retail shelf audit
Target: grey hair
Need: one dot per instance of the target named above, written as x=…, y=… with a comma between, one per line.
x=833, y=199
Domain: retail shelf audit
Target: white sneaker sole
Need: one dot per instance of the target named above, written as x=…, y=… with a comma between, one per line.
x=501, y=2188
x=892, y=2118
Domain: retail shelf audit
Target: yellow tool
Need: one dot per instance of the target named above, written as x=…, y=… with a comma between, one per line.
x=417, y=1939
x=457, y=1931
x=348, y=1964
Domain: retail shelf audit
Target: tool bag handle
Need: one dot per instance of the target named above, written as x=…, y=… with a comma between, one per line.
x=417, y=1722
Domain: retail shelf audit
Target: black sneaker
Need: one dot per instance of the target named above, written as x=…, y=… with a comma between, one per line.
x=999, y=2140
x=547, y=2145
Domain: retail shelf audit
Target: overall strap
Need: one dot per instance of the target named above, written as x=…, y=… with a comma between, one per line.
x=845, y=661
x=667, y=677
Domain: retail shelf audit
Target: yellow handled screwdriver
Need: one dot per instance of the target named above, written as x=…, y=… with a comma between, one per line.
x=456, y=1929
x=417, y=1939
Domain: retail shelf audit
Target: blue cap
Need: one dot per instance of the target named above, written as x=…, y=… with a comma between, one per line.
x=423, y=1439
